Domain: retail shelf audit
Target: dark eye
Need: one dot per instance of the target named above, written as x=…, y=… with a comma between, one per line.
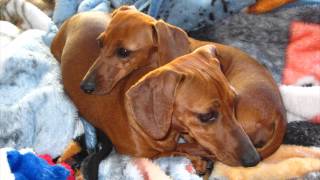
x=123, y=53
x=208, y=117
x=100, y=42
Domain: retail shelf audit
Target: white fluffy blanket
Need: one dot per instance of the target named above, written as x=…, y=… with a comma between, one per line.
x=34, y=110
x=36, y=113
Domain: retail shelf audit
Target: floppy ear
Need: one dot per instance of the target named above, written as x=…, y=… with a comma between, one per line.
x=150, y=101
x=171, y=41
x=123, y=8
x=210, y=52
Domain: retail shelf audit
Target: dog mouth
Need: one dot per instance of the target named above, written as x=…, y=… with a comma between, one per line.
x=231, y=158
x=106, y=89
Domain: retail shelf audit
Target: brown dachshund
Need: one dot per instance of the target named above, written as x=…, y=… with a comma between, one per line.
x=193, y=96
x=132, y=45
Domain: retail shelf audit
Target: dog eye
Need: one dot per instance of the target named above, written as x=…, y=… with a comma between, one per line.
x=123, y=53
x=208, y=117
x=100, y=43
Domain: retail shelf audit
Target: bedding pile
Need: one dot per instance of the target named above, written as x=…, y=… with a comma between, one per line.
x=36, y=113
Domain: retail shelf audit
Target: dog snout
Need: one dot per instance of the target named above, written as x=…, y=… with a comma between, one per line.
x=248, y=155
x=250, y=159
x=88, y=86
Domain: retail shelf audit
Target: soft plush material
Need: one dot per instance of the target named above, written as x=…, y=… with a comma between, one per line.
x=262, y=6
x=67, y=167
x=302, y=103
x=8, y=32
x=303, y=133
x=302, y=68
x=25, y=14
x=34, y=110
x=29, y=166
x=193, y=15
x=25, y=164
x=286, y=169
x=187, y=14
x=303, y=55
x=118, y=167
x=5, y=171
x=36, y=113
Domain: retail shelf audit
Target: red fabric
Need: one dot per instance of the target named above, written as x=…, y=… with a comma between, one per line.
x=316, y=119
x=303, y=53
x=48, y=158
x=190, y=169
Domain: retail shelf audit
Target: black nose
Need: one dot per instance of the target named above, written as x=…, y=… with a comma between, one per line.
x=250, y=159
x=88, y=87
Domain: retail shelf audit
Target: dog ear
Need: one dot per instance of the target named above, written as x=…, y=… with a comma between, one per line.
x=150, y=101
x=210, y=52
x=170, y=40
x=123, y=8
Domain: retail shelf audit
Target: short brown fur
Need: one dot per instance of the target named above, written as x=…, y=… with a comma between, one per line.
x=76, y=48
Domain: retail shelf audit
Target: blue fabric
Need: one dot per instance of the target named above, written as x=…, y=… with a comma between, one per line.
x=155, y=7
x=303, y=2
x=96, y=5
x=192, y=15
x=30, y=167
x=48, y=37
x=63, y=10
x=187, y=14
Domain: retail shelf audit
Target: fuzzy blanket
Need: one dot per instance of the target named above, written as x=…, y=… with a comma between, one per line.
x=32, y=102
x=35, y=112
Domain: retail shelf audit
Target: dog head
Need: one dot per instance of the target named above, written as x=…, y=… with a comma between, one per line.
x=131, y=41
x=191, y=95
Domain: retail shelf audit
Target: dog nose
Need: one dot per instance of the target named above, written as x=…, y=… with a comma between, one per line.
x=250, y=159
x=88, y=87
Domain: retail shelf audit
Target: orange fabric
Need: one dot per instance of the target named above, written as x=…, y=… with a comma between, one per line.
x=263, y=6
x=303, y=53
x=288, y=162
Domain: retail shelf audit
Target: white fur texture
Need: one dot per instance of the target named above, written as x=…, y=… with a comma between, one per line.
x=34, y=111
x=175, y=167
x=302, y=103
x=120, y=167
x=113, y=167
x=131, y=172
x=5, y=172
x=8, y=32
